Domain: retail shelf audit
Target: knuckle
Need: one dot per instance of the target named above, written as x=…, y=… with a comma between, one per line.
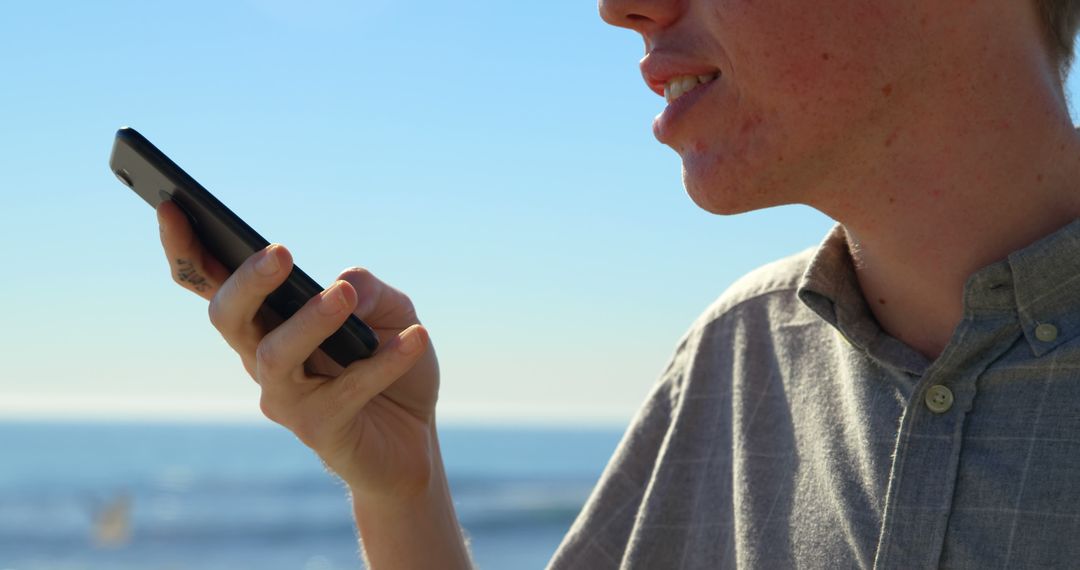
x=400, y=298
x=251, y=369
x=355, y=386
x=408, y=307
x=351, y=388
x=265, y=357
x=301, y=322
x=405, y=306
x=216, y=311
x=270, y=408
x=357, y=276
x=332, y=408
x=306, y=327
x=241, y=279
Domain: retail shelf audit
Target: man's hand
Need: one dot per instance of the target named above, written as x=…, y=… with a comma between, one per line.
x=372, y=423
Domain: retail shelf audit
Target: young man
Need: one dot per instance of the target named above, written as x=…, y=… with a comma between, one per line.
x=907, y=395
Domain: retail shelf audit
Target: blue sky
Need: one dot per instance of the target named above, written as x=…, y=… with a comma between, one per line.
x=492, y=159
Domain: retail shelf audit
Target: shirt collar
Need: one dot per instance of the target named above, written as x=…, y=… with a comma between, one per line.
x=1040, y=283
x=1046, y=285
x=830, y=288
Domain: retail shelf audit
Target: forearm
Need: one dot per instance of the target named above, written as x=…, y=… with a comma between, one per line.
x=420, y=532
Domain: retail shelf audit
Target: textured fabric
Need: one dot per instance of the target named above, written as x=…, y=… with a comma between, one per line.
x=790, y=431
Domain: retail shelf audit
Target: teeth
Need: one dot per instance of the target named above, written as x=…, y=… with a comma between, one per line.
x=680, y=85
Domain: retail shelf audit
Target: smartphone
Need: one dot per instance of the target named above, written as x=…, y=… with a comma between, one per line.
x=155, y=178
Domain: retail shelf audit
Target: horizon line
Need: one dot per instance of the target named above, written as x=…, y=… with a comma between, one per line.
x=95, y=408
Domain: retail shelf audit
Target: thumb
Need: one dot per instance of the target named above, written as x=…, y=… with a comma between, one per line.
x=365, y=379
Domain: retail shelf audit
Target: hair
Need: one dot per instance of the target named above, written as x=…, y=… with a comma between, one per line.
x=1060, y=20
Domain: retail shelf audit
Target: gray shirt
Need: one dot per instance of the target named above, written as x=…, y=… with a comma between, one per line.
x=790, y=431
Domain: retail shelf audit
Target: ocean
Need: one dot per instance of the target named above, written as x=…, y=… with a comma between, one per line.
x=156, y=496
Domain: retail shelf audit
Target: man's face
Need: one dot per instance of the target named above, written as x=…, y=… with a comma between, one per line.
x=804, y=91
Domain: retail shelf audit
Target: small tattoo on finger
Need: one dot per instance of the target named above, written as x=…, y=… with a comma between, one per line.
x=186, y=273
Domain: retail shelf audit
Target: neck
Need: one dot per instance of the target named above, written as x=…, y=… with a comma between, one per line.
x=986, y=165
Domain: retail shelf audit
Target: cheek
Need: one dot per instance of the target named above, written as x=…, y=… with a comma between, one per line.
x=805, y=82
x=779, y=81
x=813, y=55
x=798, y=78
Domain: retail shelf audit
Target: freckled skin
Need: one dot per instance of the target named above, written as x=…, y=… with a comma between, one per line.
x=808, y=82
x=750, y=124
x=891, y=138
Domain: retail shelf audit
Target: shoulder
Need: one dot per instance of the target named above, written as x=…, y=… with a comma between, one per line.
x=686, y=417
x=750, y=305
x=780, y=277
x=768, y=288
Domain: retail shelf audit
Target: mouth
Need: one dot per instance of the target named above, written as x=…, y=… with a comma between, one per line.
x=683, y=84
x=683, y=93
x=682, y=80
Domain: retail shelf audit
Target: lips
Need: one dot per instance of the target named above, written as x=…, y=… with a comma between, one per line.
x=667, y=122
x=682, y=82
x=660, y=68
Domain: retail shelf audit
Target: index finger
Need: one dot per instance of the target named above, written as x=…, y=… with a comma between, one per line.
x=191, y=265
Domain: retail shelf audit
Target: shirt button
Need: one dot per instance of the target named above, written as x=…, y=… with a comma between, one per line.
x=1046, y=332
x=939, y=399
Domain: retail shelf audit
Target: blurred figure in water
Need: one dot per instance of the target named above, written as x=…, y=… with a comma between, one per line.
x=112, y=523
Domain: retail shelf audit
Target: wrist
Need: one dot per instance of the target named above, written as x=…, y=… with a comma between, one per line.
x=415, y=478
x=392, y=524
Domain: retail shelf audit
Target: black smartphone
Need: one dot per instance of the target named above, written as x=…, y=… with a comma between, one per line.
x=156, y=178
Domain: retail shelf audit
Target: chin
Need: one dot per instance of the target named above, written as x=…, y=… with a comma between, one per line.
x=719, y=194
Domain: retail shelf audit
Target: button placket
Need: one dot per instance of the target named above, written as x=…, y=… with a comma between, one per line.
x=926, y=465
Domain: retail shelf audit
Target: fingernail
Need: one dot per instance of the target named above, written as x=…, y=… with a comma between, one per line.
x=268, y=264
x=410, y=343
x=333, y=301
